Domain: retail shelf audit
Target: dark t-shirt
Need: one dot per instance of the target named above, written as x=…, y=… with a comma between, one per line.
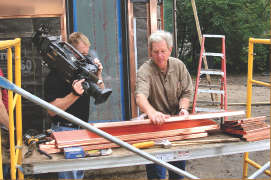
x=55, y=87
x=4, y=93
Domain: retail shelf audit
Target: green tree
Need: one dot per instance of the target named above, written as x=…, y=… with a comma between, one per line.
x=237, y=20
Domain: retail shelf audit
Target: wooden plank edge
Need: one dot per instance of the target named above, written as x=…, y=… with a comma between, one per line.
x=171, y=119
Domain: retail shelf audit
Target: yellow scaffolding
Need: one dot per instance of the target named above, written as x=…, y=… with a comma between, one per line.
x=252, y=41
x=14, y=100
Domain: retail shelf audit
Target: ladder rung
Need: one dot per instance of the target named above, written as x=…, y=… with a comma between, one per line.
x=212, y=71
x=210, y=91
x=209, y=102
x=212, y=54
x=214, y=36
x=209, y=86
x=207, y=110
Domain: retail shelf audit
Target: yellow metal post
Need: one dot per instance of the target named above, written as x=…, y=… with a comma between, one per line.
x=11, y=122
x=19, y=128
x=249, y=92
x=249, y=78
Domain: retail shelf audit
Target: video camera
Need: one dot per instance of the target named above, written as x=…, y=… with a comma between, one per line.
x=59, y=56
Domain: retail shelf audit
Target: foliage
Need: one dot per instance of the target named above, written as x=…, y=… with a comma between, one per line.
x=237, y=20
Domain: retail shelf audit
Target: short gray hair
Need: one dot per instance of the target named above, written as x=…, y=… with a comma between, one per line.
x=160, y=35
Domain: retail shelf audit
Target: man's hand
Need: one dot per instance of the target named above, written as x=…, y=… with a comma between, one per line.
x=157, y=117
x=77, y=86
x=97, y=61
x=183, y=112
x=99, y=74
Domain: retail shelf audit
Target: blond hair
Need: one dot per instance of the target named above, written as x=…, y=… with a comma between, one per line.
x=76, y=37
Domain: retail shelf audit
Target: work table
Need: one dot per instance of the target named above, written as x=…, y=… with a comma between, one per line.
x=37, y=164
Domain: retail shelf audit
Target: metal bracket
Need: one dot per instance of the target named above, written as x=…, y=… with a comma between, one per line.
x=18, y=147
x=26, y=168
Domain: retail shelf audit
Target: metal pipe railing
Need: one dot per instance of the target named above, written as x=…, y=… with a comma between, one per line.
x=260, y=171
x=8, y=85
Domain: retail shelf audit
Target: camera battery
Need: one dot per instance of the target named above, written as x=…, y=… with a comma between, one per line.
x=73, y=152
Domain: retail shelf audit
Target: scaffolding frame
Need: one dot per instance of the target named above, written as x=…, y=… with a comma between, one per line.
x=14, y=102
x=250, y=80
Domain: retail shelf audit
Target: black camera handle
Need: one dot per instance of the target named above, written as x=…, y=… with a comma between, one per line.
x=92, y=76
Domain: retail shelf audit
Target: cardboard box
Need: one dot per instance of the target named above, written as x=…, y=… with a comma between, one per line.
x=73, y=152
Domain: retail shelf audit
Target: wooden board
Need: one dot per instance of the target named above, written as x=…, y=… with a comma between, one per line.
x=172, y=119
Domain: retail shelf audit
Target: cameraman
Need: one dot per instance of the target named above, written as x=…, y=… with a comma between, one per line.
x=70, y=97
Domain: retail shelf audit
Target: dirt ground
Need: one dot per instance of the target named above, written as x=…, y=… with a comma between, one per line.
x=221, y=167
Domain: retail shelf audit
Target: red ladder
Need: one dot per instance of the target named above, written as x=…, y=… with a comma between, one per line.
x=210, y=88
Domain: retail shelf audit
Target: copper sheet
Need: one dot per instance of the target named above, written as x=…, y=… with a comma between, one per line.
x=31, y=8
x=248, y=126
x=251, y=129
x=259, y=133
x=141, y=136
x=175, y=138
x=245, y=132
x=71, y=137
x=245, y=124
x=260, y=137
x=132, y=60
x=247, y=120
x=174, y=130
x=52, y=149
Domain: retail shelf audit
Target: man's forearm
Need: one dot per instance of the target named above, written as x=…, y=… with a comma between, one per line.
x=4, y=119
x=63, y=103
x=184, y=103
x=143, y=104
x=3, y=114
x=155, y=116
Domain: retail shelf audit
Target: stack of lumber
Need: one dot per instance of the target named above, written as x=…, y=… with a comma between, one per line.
x=250, y=129
x=175, y=128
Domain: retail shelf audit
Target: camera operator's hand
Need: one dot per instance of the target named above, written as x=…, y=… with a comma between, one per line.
x=97, y=61
x=77, y=87
x=99, y=73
